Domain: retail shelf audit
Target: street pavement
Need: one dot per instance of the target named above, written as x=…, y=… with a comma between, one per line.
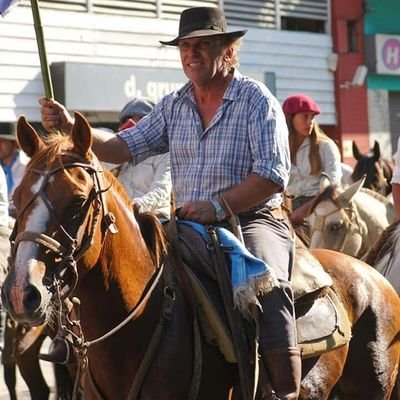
x=22, y=389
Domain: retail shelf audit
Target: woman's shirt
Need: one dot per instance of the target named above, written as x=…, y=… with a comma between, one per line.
x=148, y=184
x=301, y=182
x=3, y=199
x=247, y=135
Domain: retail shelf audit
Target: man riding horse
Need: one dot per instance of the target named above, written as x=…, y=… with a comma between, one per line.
x=228, y=142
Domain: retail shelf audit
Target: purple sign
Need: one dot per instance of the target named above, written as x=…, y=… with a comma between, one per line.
x=391, y=54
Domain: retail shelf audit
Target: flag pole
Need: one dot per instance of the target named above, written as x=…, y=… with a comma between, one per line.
x=48, y=87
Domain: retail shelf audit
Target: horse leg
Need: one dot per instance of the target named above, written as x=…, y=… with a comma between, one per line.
x=372, y=366
x=9, y=370
x=320, y=374
x=29, y=367
x=64, y=381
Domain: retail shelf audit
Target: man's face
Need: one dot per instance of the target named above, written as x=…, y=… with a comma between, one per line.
x=7, y=148
x=202, y=58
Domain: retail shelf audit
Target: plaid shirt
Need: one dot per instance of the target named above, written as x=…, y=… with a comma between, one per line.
x=248, y=134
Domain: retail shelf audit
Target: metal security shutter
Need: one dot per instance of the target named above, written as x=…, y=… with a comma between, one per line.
x=171, y=9
x=251, y=13
x=68, y=5
x=308, y=9
x=139, y=8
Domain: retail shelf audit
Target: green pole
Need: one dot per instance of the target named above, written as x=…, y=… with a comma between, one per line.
x=48, y=87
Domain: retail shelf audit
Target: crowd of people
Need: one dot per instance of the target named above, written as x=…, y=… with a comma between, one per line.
x=221, y=144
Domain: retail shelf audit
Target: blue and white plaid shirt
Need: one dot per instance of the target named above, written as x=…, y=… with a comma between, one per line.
x=248, y=134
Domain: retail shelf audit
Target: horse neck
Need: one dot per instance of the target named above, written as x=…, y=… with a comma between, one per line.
x=116, y=281
x=375, y=221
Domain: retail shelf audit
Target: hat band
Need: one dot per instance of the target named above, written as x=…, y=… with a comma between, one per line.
x=203, y=27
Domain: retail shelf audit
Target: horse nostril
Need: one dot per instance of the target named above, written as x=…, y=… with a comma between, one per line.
x=32, y=298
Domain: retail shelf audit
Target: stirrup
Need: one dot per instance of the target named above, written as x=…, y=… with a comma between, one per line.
x=60, y=352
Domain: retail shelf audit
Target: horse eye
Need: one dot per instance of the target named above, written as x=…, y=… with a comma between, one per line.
x=336, y=227
x=77, y=202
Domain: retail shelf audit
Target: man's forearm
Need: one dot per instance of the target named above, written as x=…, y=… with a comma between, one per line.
x=109, y=147
x=252, y=191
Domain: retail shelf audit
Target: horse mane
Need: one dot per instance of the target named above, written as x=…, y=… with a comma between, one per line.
x=153, y=234
x=55, y=144
x=385, y=243
x=375, y=195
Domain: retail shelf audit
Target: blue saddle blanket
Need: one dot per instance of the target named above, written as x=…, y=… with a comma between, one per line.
x=250, y=276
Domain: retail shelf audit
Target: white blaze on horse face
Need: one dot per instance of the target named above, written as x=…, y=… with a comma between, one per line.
x=25, y=258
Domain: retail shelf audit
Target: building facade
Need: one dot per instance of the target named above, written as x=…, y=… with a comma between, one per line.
x=103, y=52
x=382, y=33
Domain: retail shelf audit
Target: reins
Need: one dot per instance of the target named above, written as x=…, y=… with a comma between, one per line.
x=71, y=251
x=67, y=251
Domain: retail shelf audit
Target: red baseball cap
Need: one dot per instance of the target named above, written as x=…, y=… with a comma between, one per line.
x=300, y=103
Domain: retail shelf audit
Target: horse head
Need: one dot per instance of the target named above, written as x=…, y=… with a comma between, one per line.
x=62, y=215
x=376, y=170
x=334, y=220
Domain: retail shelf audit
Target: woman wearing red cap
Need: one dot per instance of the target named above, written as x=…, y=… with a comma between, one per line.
x=315, y=157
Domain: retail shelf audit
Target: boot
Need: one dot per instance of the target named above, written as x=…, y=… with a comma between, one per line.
x=60, y=351
x=284, y=371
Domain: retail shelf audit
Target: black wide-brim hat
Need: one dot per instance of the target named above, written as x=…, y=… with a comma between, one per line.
x=202, y=21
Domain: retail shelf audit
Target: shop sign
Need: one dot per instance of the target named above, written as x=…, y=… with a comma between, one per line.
x=387, y=54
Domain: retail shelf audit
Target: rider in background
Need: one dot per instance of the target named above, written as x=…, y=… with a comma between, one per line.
x=13, y=162
x=147, y=183
x=315, y=157
x=228, y=143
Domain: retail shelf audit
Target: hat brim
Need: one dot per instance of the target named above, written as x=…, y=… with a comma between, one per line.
x=5, y=136
x=203, y=33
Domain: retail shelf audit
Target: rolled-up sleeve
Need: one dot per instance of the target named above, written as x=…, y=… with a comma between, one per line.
x=269, y=141
x=331, y=161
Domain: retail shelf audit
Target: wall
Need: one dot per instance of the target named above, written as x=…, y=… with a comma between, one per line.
x=298, y=60
x=351, y=101
x=383, y=89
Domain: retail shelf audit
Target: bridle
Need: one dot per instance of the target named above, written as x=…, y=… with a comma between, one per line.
x=71, y=251
x=352, y=221
x=68, y=255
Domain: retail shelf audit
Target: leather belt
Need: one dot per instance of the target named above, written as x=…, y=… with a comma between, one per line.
x=277, y=213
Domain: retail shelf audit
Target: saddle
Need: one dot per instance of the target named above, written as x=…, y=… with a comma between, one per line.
x=322, y=323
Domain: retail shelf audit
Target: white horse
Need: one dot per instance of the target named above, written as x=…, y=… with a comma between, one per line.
x=349, y=220
x=385, y=255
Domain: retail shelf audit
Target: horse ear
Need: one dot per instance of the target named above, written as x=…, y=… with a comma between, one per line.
x=27, y=138
x=356, y=152
x=81, y=135
x=377, y=151
x=351, y=191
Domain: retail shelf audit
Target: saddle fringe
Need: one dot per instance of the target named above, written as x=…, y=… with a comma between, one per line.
x=245, y=295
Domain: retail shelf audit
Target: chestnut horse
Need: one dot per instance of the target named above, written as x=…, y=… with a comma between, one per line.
x=76, y=234
x=22, y=344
